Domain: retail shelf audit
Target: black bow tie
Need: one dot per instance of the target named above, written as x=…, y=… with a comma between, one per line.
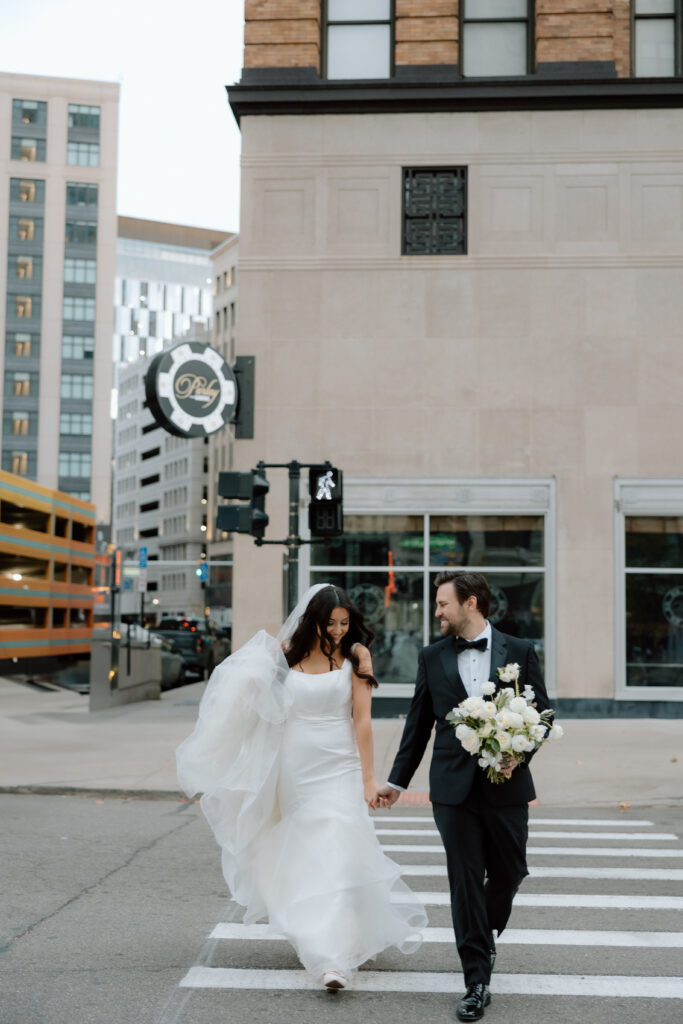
x=470, y=645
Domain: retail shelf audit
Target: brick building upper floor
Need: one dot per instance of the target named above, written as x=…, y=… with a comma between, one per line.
x=315, y=55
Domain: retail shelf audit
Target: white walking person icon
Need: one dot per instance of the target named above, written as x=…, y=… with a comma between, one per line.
x=325, y=485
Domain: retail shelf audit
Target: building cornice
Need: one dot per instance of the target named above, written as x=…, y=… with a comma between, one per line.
x=308, y=94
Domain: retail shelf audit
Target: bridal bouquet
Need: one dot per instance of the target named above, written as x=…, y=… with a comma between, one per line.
x=502, y=728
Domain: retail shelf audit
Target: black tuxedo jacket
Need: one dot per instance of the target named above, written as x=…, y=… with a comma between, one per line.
x=438, y=689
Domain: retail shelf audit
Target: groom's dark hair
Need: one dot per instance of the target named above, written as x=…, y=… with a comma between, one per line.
x=468, y=584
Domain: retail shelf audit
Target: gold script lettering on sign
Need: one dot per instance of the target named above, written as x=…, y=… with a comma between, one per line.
x=191, y=385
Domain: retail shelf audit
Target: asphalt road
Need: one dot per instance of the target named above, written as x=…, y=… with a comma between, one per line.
x=115, y=912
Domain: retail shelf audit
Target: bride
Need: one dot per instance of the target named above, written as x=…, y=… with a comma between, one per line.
x=282, y=752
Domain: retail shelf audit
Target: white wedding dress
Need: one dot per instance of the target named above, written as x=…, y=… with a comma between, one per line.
x=275, y=754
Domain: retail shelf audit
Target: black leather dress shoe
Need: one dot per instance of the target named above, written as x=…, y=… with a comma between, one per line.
x=492, y=950
x=471, y=1006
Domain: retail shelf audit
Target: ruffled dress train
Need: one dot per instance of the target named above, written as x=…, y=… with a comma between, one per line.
x=275, y=755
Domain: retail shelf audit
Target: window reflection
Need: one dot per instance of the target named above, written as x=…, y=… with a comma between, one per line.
x=654, y=629
x=654, y=541
x=486, y=540
x=374, y=540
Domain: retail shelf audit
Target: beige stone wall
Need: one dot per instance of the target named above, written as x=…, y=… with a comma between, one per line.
x=551, y=350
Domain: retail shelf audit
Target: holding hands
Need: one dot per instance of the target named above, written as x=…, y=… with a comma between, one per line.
x=381, y=796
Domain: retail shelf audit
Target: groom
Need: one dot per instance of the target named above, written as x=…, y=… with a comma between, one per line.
x=483, y=825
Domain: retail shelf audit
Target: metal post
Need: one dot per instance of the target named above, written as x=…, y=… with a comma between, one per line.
x=293, y=545
x=114, y=663
x=142, y=615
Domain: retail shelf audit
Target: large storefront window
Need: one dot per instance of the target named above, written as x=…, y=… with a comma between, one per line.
x=388, y=563
x=654, y=600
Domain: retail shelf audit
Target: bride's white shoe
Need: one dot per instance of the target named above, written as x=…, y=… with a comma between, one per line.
x=333, y=981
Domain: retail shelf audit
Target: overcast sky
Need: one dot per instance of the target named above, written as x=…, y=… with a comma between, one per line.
x=178, y=141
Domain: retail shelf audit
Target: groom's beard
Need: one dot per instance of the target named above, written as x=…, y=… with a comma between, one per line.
x=447, y=628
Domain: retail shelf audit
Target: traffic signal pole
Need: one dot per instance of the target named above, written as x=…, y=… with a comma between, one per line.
x=252, y=519
x=293, y=540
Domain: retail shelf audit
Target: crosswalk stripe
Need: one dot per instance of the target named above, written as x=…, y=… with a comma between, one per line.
x=608, y=901
x=628, y=836
x=631, y=874
x=546, y=851
x=595, y=822
x=533, y=834
x=510, y=937
x=446, y=982
x=601, y=851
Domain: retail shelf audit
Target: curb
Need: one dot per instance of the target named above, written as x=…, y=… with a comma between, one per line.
x=88, y=791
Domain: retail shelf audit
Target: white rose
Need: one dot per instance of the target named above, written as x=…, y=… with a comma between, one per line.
x=504, y=739
x=537, y=732
x=489, y=710
x=515, y=721
x=486, y=730
x=531, y=716
x=519, y=743
x=518, y=705
x=473, y=706
x=510, y=673
x=556, y=732
x=462, y=731
x=471, y=743
x=488, y=689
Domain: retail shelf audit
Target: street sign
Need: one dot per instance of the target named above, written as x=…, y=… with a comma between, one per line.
x=142, y=558
x=202, y=571
x=142, y=581
x=190, y=390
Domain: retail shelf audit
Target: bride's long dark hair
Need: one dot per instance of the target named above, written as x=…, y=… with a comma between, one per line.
x=313, y=627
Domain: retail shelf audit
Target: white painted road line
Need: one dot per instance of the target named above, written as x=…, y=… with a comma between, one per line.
x=548, y=851
x=600, y=851
x=568, y=901
x=446, y=982
x=628, y=836
x=649, y=837
x=595, y=822
x=630, y=874
x=407, y=832
x=510, y=937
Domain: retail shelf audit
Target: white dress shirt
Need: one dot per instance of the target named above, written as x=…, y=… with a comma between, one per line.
x=475, y=666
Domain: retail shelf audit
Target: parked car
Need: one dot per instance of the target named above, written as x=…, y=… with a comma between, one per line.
x=172, y=663
x=200, y=642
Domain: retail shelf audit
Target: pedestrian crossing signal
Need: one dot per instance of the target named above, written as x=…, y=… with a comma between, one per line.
x=325, y=511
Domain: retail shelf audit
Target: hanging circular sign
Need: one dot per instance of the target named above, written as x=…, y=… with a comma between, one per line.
x=190, y=390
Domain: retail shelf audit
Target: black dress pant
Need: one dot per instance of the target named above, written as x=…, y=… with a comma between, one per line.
x=486, y=857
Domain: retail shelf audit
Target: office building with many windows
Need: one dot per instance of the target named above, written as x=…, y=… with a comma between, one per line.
x=460, y=275
x=164, y=275
x=164, y=295
x=57, y=246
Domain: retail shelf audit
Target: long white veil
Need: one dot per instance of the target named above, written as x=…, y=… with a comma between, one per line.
x=232, y=755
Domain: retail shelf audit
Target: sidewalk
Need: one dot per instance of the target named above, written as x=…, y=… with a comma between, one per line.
x=50, y=742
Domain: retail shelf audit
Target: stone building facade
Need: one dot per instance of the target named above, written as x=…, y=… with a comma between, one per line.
x=465, y=289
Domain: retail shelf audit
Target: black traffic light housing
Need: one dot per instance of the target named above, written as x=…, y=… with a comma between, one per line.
x=253, y=487
x=326, y=491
